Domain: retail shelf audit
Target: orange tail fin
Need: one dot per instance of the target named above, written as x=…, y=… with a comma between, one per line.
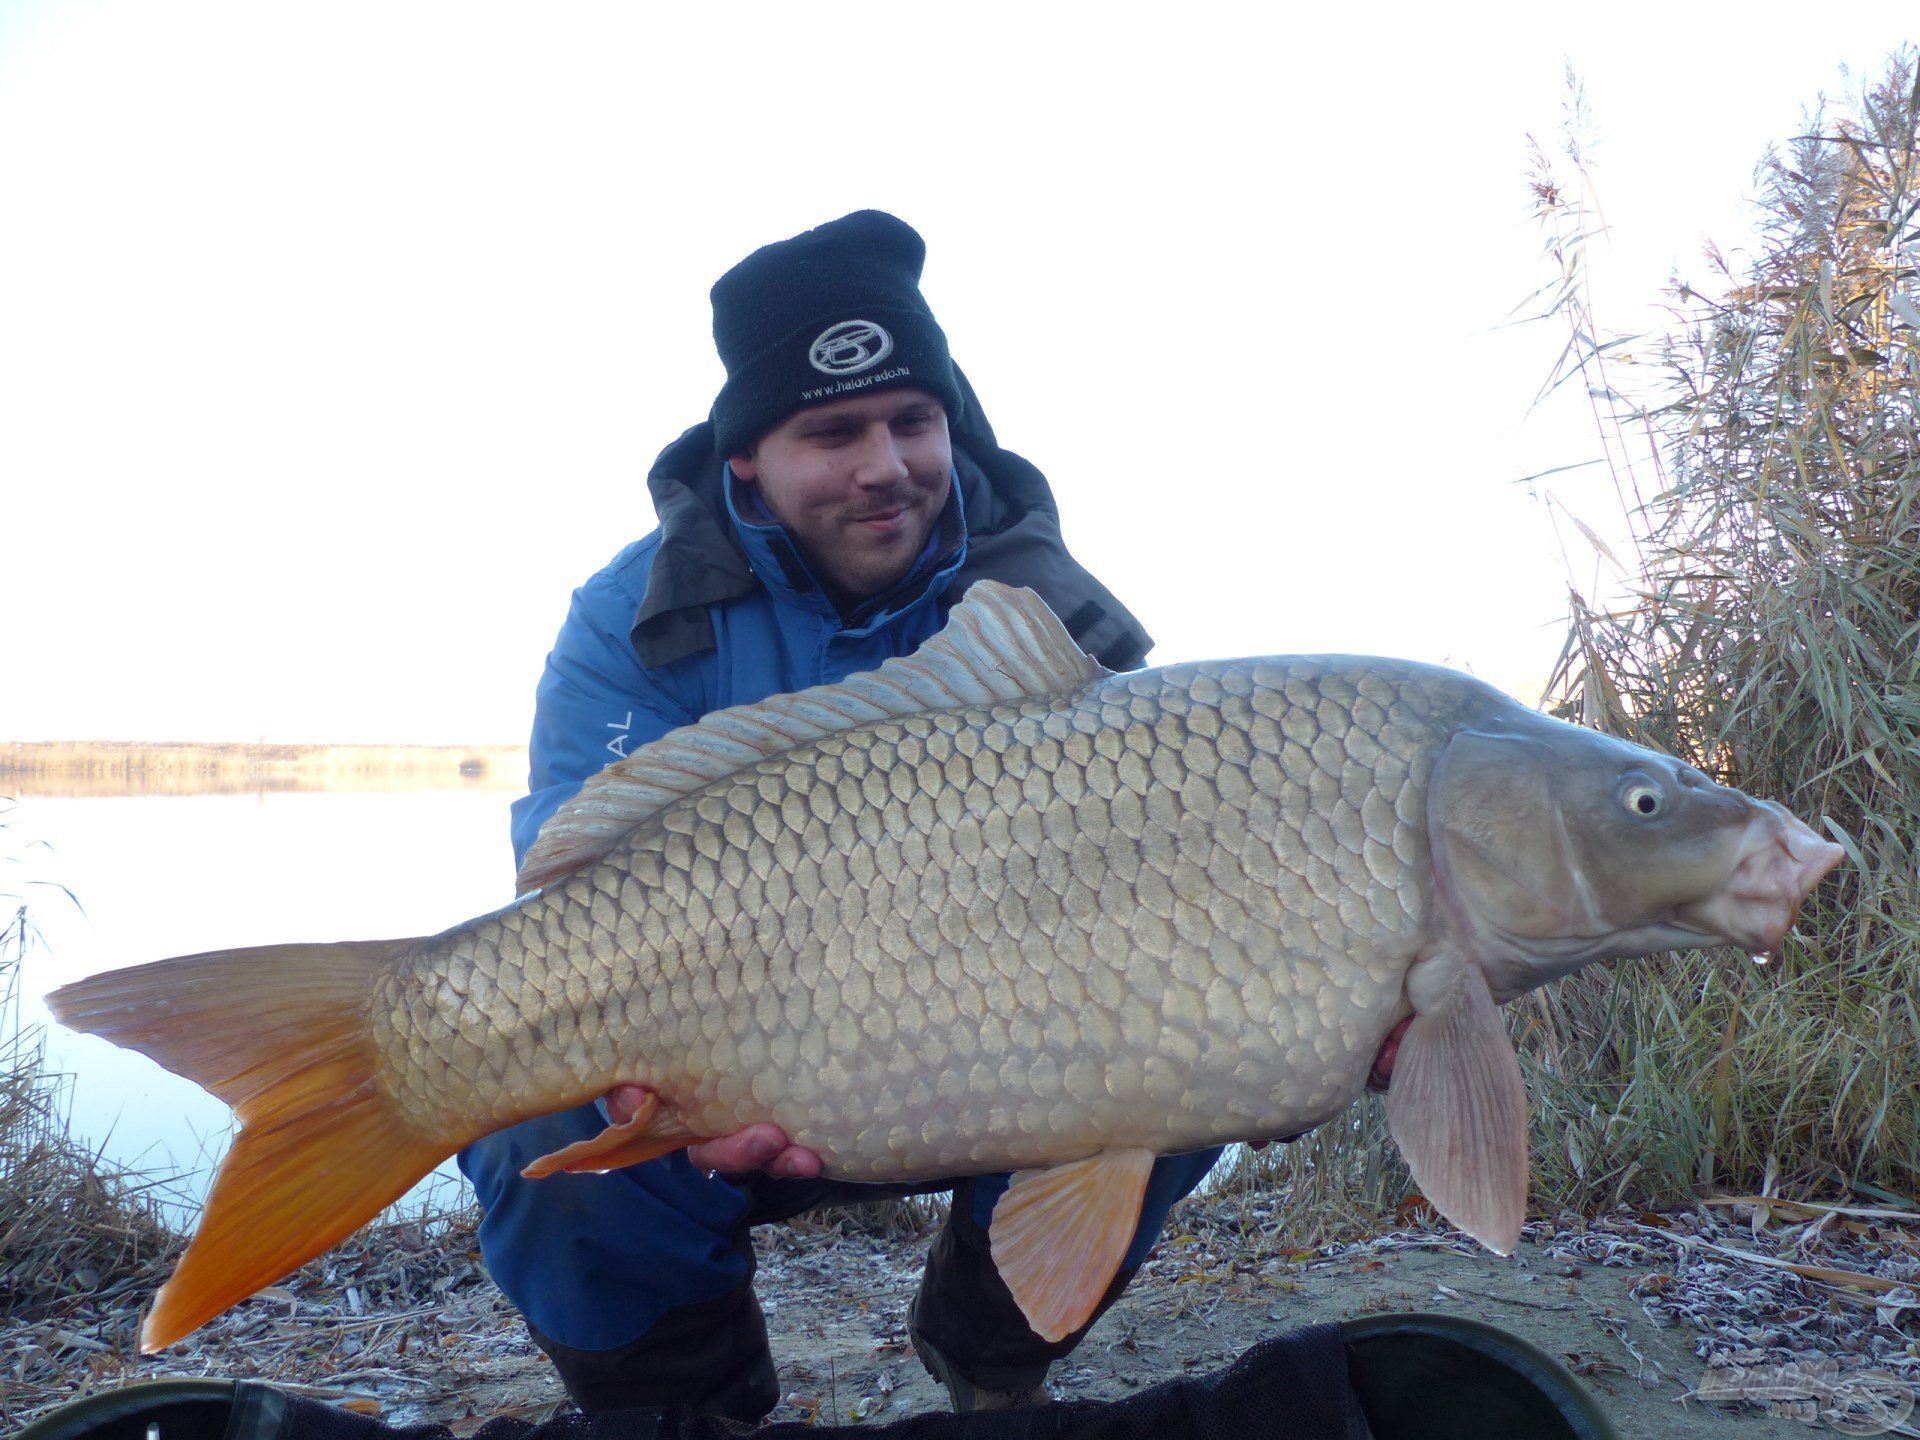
x=282, y=1034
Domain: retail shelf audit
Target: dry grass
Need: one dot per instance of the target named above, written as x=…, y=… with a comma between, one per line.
x=75, y=1233
x=70, y=1225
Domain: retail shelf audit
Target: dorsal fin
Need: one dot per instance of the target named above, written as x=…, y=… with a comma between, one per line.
x=999, y=643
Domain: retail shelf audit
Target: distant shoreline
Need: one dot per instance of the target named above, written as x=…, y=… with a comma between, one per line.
x=90, y=768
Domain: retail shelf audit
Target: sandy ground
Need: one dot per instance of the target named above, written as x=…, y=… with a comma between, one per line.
x=850, y=1357
x=843, y=1352
x=1648, y=1314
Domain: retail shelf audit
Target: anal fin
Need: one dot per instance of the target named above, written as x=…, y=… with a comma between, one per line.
x=650, y=1134
x=1059, y=1235
x=1457, y=1106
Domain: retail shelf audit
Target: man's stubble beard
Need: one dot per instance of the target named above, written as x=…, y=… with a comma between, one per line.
x=873, y=580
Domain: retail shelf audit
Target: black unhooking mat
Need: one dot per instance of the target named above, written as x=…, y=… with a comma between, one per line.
x=1388, y=1377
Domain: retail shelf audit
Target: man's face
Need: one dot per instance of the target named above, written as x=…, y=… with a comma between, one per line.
x=859, y=483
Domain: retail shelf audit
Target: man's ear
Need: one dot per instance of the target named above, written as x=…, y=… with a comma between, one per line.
x=743, y=468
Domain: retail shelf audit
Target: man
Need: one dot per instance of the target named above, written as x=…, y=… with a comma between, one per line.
x=841, y=497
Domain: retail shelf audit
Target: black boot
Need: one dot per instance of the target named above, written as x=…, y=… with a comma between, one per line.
x=711, y=1358
x=969, y=1330
x=1013, y=1387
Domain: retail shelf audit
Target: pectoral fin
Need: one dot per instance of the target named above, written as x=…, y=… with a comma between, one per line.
x=1457, y=1107
x=650, y=1134
x=1059, y=1235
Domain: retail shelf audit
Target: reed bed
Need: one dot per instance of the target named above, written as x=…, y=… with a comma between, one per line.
x=1770, y=634
x=1764, y=625
x=86, y=768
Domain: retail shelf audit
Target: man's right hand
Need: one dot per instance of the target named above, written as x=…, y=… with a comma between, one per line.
x=758, y=1147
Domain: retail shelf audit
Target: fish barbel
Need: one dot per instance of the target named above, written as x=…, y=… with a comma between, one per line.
x=989, y=907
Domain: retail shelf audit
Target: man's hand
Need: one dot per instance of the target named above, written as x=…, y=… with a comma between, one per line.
x=758, y=1147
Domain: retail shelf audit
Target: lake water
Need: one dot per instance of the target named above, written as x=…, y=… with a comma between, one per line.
x=170, y=875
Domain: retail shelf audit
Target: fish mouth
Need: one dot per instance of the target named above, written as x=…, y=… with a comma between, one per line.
x=1780, y=862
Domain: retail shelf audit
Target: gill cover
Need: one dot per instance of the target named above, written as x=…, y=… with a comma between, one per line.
x=1504, y=860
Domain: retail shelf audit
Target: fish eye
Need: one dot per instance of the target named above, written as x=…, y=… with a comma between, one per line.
x=1642, y=799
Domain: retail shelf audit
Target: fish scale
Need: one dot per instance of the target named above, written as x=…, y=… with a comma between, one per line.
x=1172, y=910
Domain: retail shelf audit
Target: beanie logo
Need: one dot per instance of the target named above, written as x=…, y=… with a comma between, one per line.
x=850, y=347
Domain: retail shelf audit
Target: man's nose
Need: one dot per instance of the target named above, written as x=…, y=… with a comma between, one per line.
x=879, y=461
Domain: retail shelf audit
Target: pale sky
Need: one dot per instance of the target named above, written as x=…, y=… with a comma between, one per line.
x=336, y=339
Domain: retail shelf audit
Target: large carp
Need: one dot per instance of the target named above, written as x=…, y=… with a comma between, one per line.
x=989, y=907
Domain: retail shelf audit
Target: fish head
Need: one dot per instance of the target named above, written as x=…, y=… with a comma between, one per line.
x=1555, y=846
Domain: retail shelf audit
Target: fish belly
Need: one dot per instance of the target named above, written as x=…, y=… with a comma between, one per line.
x=1172, y=909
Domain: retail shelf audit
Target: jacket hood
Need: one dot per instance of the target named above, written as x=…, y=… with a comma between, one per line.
x=1013, y=535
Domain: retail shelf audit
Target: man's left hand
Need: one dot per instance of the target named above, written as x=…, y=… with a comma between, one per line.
x=758, y=1147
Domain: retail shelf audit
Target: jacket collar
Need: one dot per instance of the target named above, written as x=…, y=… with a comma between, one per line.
x=1006, y=509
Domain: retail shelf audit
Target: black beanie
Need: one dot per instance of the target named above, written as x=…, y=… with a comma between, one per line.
x=834, y=312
